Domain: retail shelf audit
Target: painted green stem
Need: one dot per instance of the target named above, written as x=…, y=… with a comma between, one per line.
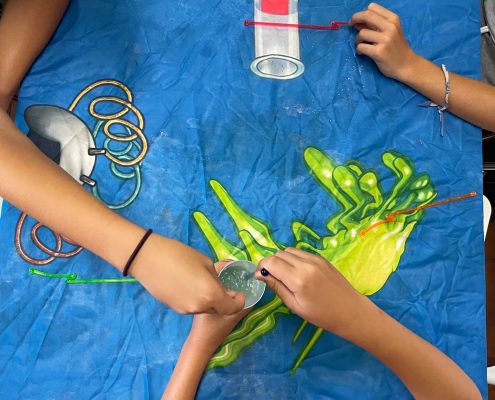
x=72, y=278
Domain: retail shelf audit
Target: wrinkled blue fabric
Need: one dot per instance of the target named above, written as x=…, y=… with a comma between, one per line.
x=208, y=116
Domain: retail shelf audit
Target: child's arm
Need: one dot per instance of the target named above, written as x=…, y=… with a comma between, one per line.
x=25, y=28
x=380, y=37
x=174, y=273
x=207, y=334
x=315, y=290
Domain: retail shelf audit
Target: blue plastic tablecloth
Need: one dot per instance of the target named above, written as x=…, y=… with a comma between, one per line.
x=207, y=116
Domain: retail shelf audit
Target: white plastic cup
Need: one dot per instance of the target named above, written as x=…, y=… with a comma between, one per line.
x=277, y=48
x=239, y=277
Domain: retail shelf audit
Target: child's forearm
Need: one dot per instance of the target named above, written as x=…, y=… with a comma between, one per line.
x=36, y=185
x=426, y=371
x=39, y=187
x=193, y=359
x=25, y=28
x=470, y=99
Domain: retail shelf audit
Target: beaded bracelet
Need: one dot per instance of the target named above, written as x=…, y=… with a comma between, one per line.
x=441, y=109
x=445, y=106
x=134, y=254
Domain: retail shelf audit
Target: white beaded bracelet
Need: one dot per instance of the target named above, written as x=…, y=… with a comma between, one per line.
x=441, y=109
x=445, y=106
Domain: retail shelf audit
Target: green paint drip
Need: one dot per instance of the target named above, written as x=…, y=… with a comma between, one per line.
x=299, y=331
x=72, y=278
x=220, y=246
x=305, y=351
x=243, y=221
x=254, y=318
x=231, y=351
x=365, y=261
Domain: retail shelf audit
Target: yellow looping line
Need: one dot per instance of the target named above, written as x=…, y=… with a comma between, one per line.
x=118, y=138
x=118, y=100
x=115, y=119
x=101, y=83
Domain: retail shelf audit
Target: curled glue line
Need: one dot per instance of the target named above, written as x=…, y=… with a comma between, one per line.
x=133, y=135
x=391, y=217
x=52, y=253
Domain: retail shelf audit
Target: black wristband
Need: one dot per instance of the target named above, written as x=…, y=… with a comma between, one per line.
x=125, y=271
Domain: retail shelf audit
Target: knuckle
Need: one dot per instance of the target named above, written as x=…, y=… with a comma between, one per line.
x=395, y=29
x=311, y=270
x=300, y=281
x=273, y=261
x=269, y=260
x=380, y=53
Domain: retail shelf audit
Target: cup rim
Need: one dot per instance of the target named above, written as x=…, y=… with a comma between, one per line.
x=264, y=284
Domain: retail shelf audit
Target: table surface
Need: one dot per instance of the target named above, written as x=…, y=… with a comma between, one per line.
x=226, y=147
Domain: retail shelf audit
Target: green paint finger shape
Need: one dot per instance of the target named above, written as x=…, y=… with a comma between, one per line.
x=239, y=277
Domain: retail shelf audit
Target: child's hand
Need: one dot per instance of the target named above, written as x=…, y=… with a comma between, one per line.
x=380, y=37
x=315, y=290
x=183, y=278
x=209, y=330
x=207, y=333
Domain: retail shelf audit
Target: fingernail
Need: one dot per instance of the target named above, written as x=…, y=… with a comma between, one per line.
x=264, y=272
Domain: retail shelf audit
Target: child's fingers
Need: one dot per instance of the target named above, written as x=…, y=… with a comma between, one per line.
x=384, y=12
x=225, y=304
x=359, y=26
x=368, y=36
x=278, y=287
x=297, y=252
x=365, y=49
x=292, y=258
x=371, y=20
x=219, y=265
x=304, y=255
x=280, y=269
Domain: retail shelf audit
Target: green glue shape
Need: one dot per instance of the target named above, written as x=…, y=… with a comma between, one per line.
x=72, y=278
x=365, y=261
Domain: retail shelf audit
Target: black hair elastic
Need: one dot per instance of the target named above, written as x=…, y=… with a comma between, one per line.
x=125, y=271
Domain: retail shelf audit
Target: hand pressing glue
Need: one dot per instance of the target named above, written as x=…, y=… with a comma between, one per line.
x=239, y=277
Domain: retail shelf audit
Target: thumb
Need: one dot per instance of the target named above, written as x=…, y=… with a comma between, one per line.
x=230, y=303
x=278, y=287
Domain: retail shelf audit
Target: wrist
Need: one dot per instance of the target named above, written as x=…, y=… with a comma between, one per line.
x=202, y=343
x=410, y=69
x=119, y=240
x=365, y=325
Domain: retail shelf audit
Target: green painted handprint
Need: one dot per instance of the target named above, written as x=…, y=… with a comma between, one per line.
x=366, y=260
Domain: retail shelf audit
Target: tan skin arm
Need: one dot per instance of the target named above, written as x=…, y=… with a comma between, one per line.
x=174, y=273
x=381, y=38
x=317, y=292
x=207, y=333
x=313, y=289
x=25, y=28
